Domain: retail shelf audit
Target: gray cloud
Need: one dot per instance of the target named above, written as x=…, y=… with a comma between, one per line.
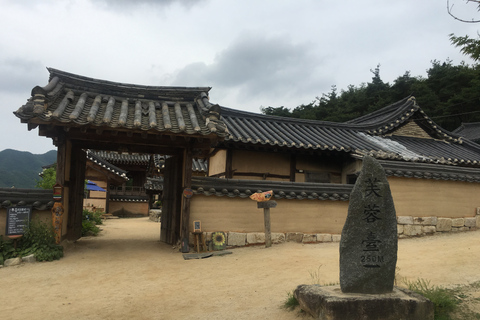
x=256, y=65
x=157, y=3
x=21, y=75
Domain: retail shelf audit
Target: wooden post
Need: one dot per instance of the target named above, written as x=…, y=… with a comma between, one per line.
x=266, y=216
x=187, y=184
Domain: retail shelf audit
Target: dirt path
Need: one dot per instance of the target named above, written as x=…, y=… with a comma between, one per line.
x=126, y=273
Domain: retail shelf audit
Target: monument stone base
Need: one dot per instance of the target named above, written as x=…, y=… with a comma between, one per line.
x=329, y=302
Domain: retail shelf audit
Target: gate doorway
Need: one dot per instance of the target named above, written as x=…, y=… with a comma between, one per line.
x=80, y=113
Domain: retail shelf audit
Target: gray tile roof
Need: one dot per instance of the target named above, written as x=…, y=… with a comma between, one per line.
x=470, y=131
x=282, y=190
x=368, y=135
x=95, y=157
x=39, y=199
x=73, y=100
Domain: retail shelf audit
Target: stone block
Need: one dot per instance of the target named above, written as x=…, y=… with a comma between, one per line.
x=412, y=230
x=429, y=229
x=470, y=222
x=444, y=224
x=400, y=228
x=295, y=237
x=478, y=221
x=12, y=262
x=29, y=259
x=336, y=237
x=309, y=238
x=236, y=239
x=405, y=220
x=324, y=237
x=255, y=238
x=478, y=211
x=425, y=221
x=278, y=237
x=459, y=229
x=458, y=222
x=329, y=302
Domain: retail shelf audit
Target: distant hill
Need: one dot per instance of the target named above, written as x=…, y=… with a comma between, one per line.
x=20, y=168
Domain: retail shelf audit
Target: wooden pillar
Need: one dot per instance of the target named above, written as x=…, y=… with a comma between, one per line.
x=62, y=176
x=187, y=184
x=228, y=164
x=293, y=167
x=76, y=193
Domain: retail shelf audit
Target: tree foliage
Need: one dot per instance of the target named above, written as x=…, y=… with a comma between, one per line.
x=47, y=178
x=450, y=95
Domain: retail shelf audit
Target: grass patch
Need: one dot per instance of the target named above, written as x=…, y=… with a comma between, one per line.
x=291, y=302
x=444, y=300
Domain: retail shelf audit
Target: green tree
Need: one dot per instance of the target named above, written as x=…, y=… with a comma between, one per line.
x=468, y=46
x=47, y=178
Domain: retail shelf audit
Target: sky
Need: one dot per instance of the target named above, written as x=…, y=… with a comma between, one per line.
x=253, y=53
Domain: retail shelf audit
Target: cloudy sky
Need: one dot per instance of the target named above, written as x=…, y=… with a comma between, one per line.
x=252, y=53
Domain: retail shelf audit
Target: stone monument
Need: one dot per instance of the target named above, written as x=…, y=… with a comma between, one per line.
x=368, y=247
x=368, y=257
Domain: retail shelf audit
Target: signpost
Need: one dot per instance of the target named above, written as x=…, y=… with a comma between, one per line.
x=266, y=205
x=18, y=219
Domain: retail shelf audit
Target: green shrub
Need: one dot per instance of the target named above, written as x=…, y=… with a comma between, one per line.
x=95, y=217
x=444, y=300
x=7, y=250
x=38, y=239
x=90, y=220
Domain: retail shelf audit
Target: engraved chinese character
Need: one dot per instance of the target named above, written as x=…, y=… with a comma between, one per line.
x=371, y=244
x=371, y=211
x=372, y=187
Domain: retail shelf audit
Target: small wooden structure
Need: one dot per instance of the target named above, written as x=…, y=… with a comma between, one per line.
x=80, y=113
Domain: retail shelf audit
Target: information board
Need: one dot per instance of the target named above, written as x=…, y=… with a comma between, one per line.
x=17, y=220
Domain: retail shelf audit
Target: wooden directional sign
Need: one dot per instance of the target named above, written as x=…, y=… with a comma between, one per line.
x=266, y=204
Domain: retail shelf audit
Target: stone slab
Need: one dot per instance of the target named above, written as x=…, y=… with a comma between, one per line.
x=336, y=237
x=29, y=259
x=425, y=221
x=400, y=228
x=458, y=222
x=429, y=229
x=255, y=238
x=405, y=220
x=309, y=238
x=444, y=224
x=295, y=236
x=12, y=262
x=324, y=237
x=236, y=239
x=278, y=237
x=412, y=230
x=331, y=303
x=470, y=222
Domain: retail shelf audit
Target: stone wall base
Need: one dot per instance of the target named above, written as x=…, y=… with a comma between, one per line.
x=331, y=303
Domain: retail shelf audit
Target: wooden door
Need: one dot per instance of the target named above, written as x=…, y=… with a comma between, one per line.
x=171, y=204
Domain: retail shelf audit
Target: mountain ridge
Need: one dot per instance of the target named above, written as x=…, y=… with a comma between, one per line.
x=20, y=169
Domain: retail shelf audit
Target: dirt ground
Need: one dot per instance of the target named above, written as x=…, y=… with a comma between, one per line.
x=127, y=273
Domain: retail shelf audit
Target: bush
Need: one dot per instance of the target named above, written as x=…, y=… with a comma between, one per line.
x=90, y=220
x=38, y=239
